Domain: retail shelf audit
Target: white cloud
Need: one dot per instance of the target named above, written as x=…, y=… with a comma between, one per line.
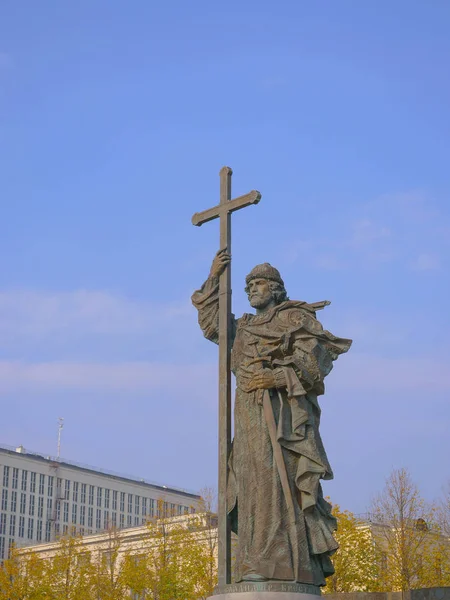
x=355, y=372
x=366, y=231
x=5, y=60
x=40, y=314
x=375, y=373
x=426, y=262
x=133, y=377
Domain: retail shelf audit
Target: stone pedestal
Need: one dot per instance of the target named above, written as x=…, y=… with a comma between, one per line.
x=270, y=590
x=263, y=596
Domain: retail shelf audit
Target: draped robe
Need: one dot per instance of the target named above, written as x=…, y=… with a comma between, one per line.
x=293, y=343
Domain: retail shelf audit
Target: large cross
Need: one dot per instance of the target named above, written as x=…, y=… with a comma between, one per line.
x=223, y=212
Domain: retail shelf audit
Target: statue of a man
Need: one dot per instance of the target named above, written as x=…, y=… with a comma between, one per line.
x=281, y=353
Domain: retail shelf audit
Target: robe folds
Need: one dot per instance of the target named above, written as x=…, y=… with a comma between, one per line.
x=290, y=340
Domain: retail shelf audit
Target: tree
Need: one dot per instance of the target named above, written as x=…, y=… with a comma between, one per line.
x=178, y=556
x=23, y=578
x=69, y=573
x=108, y=573
x=405, y=534
x=356, y=561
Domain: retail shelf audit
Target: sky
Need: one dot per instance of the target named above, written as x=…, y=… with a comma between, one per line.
x=115, y=119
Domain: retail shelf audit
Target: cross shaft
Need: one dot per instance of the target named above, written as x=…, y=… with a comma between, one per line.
x=223, y=211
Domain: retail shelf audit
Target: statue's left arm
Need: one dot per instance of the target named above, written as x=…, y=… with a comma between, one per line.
x=311, y=351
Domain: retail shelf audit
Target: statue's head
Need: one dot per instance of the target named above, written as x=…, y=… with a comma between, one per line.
x=265, y=287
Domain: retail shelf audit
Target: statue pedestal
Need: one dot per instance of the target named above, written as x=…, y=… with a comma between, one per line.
x=267, y=590
x=263, y=596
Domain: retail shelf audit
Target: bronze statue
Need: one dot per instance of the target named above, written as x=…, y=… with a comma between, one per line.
x=280, y=357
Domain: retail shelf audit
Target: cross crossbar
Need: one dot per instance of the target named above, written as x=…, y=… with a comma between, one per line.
x=252, y=197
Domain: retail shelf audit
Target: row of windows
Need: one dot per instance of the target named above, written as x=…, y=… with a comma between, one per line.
x=37, y=508
x=105, y=498
x=33, y=480
x=102, y=520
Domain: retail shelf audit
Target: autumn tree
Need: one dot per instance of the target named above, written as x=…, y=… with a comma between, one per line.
x=356, y=561
x=69, y=573
x=404, y=533
x=178, y=556
x=108, y=578
x=24, y=578
x=208, y=508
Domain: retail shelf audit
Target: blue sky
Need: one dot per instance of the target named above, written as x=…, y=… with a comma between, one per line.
x=115, y=118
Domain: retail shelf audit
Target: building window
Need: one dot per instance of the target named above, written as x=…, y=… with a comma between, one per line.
x=151, y=507
x=99, y=496
x=33, y=483
x=106, y=498
x=67, y=490
x=83, y=493
x=3, y=524
x=106, y=519
x=91, y=495
x=31, y=506
x=12, y=525
x=15, y=478
x=66, y=512
x=5, y=476
x=23, y=501
x=4, y=499
x=130, y=503
x=40, y=507
x=30, y=528
x=65, y=529
x=2, y=548
x=144, y=506
x=58, y=510
x=49, y=508
x=186, y=509
x=136, y=505
x=90, y=516
x=114, y=500
x=48, y=531
x=122, y=501
x=74, y=513
x=13, y=501
x=82, y=515
x=50, y=486
x=56, y=529
x=41, y=484
x=122, y=520
x=24, y=480
x=98, y=520
x=21, y=527
x=114, y=519
x=75, y=491
x=136, y=521
x=39, y=531
x=129, y=521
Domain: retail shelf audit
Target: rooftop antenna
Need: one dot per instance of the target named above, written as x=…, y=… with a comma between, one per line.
x=60, y=427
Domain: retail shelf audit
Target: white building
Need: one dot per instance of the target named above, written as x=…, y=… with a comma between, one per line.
x=43, y=497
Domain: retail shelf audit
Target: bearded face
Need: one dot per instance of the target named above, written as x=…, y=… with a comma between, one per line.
x=260, y=293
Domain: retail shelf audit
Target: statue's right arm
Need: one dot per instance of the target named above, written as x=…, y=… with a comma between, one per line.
x=206, y=299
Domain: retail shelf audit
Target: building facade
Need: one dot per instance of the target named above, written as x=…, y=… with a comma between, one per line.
x=44, y=497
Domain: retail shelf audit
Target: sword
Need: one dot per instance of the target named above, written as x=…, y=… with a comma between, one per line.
x=279, y=461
